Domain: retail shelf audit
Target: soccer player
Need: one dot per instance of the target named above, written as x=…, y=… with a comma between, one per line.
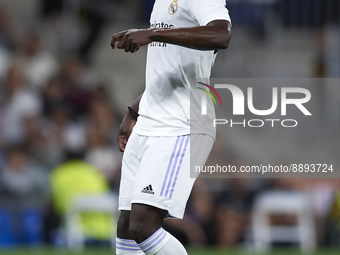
x=182, y=43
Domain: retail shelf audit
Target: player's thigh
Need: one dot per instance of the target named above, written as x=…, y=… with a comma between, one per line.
x=163, y=179
x=181, y=183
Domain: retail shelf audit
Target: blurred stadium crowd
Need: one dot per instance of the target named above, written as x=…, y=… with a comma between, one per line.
x=57, y=131
x=49, y=116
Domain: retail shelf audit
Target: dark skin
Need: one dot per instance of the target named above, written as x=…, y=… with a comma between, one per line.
x=144, y=220
x=127, y=125
x=214, y=36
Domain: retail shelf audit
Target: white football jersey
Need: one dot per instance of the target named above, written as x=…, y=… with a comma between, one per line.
x=172, y=71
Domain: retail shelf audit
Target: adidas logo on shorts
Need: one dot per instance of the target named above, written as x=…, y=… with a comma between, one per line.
x=148, y=190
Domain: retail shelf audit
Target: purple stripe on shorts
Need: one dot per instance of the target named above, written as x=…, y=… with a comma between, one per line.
x=169, y=166
x=152, y=239
x=174, y=166
x=179, y=166
x=156, y=243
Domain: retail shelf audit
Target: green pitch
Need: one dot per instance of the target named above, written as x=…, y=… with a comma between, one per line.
x=198, y=251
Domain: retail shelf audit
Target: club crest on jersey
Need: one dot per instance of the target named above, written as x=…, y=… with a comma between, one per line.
x=173, y=7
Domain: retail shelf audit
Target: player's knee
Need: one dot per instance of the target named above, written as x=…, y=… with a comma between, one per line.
x=139, y=230
x=144, y=221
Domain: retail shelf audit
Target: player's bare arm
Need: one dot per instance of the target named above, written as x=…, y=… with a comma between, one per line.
x=127, y=125
x=214, y=36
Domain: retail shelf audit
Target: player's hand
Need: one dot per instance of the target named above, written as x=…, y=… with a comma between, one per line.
x=131, y=40
x=125, y=130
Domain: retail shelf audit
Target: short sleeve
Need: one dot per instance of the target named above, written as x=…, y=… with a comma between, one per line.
x=206, y=11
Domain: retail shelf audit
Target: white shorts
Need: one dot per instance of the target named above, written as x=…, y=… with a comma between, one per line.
x=156, y=170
